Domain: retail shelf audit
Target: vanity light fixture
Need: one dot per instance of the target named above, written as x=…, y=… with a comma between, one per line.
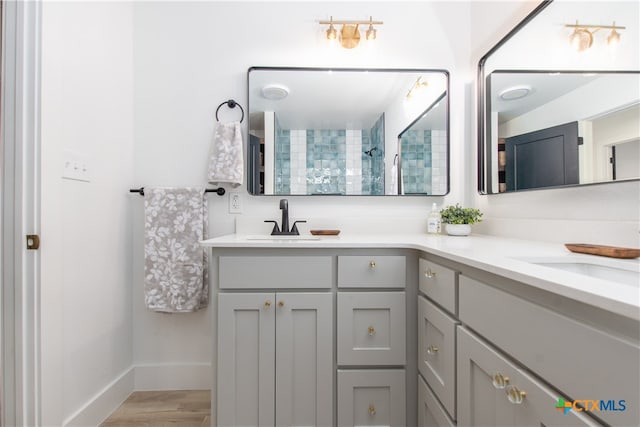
x=350, y=31
x=417, y=86
x=582, y=36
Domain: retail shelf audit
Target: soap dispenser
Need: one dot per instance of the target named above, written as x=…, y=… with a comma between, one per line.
x=434, y=220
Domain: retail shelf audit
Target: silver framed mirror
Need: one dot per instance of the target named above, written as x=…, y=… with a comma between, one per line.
x=320, y=131
x=553, y=114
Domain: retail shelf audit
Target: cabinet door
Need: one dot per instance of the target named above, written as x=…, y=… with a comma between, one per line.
x=304, y=359
x=371, y=397
x=246, y=359
x=492, y=391
x=436, y=352
x=371, y=328
x=430, y=412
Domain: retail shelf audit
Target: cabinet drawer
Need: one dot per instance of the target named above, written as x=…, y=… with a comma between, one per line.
x=430, y=412
x=268, y=272
x=436, y=352
x=493, y=391
x=438, y=283
x=371, y=328
x=373, y=271
x=371, y=397
x=579, y=360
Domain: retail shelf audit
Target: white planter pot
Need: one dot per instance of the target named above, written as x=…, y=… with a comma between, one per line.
x=458, y=229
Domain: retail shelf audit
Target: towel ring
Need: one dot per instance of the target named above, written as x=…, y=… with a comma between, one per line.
x=231, y=104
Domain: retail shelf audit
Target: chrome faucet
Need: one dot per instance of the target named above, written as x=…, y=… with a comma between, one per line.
x=284, y=230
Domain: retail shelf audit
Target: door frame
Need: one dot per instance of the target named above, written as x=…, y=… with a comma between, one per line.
x=20, y=210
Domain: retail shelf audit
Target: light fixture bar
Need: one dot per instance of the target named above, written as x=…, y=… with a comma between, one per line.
x=347, y=22
x=600, y=27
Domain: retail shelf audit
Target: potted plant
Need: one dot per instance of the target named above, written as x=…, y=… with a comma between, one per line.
x=458, y=220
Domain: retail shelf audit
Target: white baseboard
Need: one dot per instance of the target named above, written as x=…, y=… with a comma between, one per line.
x=100, y=406
x=188, y=376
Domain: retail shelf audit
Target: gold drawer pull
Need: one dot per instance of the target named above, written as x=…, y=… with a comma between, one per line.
x=281, y=303
x=515, y=395
x=429, y=274
x=267, y=304
x=372, y=331
x=372, y=410
x=500, y=381
x=372, y=264
x=432, y=349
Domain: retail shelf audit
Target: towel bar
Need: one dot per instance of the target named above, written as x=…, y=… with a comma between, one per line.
x=220, y=191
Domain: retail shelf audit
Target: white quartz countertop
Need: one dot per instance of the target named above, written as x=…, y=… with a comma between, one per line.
x=502, y=256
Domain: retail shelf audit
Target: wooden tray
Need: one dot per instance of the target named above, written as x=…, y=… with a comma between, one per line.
x=325, y=232
x=609, y=251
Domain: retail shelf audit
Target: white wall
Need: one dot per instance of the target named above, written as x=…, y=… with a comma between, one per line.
x=189, y=57
x=601, y=213
x=86, y=270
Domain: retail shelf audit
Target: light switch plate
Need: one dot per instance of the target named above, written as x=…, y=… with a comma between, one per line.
x=76, y=166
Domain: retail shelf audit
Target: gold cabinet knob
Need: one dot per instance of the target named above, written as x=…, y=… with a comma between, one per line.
x=515, y=395
x=500, y=381
x=371, y=330
x=372, y=410
x=429, y=274
x=267, y=304
x=280, y=303
x=372, y=264
x=432, y=349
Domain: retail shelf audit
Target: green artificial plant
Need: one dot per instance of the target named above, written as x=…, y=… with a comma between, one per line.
x=459, y=215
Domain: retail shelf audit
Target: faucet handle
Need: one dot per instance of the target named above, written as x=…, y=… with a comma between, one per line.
x=294, y=229
x=276, y=229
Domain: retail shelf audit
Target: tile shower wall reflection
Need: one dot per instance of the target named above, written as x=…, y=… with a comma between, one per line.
x=424, y=159
x=329, y=161
x=282, y=177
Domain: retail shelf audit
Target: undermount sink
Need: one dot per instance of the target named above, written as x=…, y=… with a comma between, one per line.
x=620, y=271
x=269, y=237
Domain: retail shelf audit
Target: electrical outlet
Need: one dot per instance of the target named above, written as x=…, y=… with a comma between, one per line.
x=235, y=202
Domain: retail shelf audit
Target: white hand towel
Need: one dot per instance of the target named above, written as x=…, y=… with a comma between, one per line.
x=175, y=265
x=225, y=159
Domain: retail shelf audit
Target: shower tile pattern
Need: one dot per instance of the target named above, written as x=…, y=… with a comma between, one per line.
x=439, y=161
x=326, y=161
x=329, y=161
x=416, y=162
x=424, y=161
x=282, y=179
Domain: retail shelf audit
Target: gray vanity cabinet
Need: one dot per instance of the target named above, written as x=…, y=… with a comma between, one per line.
x=436, y=343
x=492, y=391
x=275, y=341
x=314, y=337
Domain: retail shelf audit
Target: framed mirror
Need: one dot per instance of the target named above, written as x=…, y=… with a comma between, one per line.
x=559, y=99
x=319, y=131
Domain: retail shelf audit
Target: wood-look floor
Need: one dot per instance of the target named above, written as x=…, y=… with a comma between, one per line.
x=190, y=408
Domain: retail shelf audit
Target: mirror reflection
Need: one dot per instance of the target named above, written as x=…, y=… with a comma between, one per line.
x=564, y=128
x=334, y=132
x=423, y=148
x=555, y=113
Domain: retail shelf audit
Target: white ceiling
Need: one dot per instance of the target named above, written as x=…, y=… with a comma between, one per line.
x=545, y=87
x=331, y=99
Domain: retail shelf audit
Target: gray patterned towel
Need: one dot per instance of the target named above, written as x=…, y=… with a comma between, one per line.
x=225, y=158
x=175, y=265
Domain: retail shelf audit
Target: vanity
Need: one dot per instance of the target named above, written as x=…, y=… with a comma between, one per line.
x=419, y=330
